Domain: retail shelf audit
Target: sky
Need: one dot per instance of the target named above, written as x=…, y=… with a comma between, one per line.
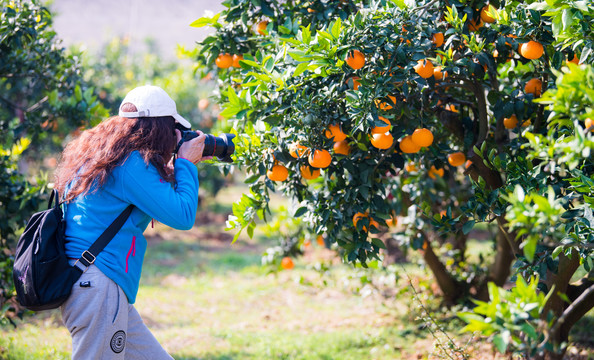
x=93, y=23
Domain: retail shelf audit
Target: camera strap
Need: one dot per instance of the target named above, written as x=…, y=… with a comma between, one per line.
x=179, y=144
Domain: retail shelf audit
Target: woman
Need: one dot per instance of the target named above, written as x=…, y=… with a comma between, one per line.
x=124, y=160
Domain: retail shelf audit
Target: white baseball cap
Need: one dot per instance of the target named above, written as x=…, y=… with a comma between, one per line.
x=152, y=101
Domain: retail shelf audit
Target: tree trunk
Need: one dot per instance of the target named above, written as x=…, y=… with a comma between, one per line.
x=458, y=242
x=501, y=267
x=447, y=284
x=559, y=332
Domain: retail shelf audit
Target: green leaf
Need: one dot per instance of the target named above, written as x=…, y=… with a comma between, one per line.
x=251, y=63
x=530, y=331
x=501, y=341
x=336, y=28
x=467, y=227
x=377, y=242
x=530, y=248
x=299, y=212
x=300, y=69
x=205, y=21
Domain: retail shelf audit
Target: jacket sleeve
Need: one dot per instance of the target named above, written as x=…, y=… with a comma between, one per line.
x=173, y=206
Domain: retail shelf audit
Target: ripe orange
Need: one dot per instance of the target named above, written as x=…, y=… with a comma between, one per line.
x=531, y=50
x=278, y=173
x=408, y=146
x=422, y=137
x=475, y=24
x=468, y=163
x=437, y=39
x=353, y=82
x=224, y=61
x=287, y=263
x=334, y=131
x=434, y=171
x=261, y=27
x=203, y=104
x=385, y=105
x=381, y=129
x=355, y=59
x=392, y=221
x=485, y=16
x=451, y=107
x=534, y=87
x=574, y=60
x=236, y=59
x=309, y=173
x=382, y=141
x=297, y=150
x=438, y=74
x=359, y=216
x=320, y=240
x=320, y=158
x=342, y=147
x=443, y=213
x=588, y=124
x=510, y=122
x=410, y=167
x=456, y=159
x=424, y=68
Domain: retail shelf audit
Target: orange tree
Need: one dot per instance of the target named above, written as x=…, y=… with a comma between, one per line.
x=415, y=91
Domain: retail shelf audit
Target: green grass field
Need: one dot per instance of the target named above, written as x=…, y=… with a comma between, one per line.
x=205, y=298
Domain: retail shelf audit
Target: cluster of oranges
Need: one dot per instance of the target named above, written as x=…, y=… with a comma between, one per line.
x=420, y=138
x=225, y=61
x=316, y=158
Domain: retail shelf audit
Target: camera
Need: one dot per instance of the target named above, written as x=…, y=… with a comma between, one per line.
x=221, y=147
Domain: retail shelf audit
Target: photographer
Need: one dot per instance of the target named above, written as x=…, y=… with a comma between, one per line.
x=127, y=159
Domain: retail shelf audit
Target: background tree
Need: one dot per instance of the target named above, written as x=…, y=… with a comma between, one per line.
x=360, y=112
x=43, y=99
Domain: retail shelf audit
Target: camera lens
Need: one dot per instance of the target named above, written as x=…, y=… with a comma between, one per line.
x=222, y=147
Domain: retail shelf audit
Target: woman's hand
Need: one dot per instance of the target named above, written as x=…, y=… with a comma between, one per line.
x=192, y=150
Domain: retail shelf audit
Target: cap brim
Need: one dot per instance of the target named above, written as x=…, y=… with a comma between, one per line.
x=183, y=122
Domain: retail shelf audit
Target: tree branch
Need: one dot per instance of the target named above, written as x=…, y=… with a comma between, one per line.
x=575, y=311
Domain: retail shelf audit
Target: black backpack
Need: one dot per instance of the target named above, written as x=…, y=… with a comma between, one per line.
x=42, y=276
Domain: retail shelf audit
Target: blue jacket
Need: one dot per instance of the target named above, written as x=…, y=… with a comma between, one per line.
x=133, y=182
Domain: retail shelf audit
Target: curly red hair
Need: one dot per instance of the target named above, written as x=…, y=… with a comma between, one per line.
x=90, y=158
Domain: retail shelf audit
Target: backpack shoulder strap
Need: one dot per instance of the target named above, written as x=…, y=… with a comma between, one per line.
x=88, y=256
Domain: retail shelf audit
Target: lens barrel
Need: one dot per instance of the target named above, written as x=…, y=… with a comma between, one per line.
x=221, y=147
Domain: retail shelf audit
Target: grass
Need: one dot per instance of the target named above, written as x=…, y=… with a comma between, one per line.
x=205, y=298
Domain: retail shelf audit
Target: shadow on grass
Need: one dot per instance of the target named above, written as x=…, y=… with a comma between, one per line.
x=191, y=254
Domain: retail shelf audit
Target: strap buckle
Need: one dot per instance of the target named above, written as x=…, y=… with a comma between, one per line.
x=86, y=252
x=90, y=260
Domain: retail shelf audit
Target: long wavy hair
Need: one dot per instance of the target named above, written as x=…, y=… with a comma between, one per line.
x=90, y=158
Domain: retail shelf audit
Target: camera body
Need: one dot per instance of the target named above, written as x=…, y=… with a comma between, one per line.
x=221, y=147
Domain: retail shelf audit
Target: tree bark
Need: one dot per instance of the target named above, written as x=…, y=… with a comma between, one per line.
x=445, y=281
x=500, y=269
x=559, y=332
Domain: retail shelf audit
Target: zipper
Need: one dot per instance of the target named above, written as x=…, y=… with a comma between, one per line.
x=131, y=251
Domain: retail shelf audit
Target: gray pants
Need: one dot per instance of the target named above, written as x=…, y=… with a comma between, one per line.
x=102, y=323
